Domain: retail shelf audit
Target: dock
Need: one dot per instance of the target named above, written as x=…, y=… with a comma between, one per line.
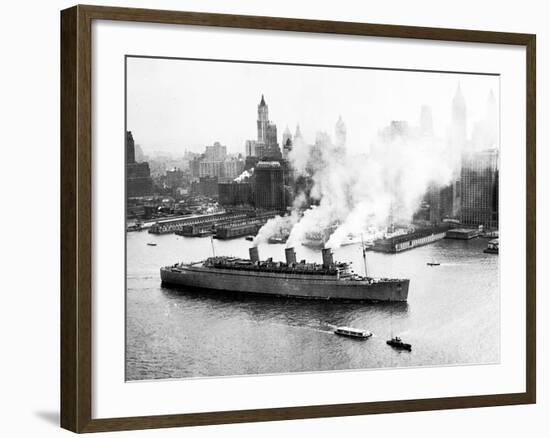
x=404, y=242
x=199, y=224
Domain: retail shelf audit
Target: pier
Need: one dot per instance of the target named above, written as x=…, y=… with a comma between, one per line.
x=196, y=225
x=408, y=241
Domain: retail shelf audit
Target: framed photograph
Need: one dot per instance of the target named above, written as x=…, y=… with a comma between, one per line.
x=271, y=218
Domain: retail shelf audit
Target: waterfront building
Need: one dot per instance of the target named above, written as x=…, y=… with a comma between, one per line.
x=233, y=194
x=138, y=175
x=269, y=190
x=462, y=233
x=479, y=189
x=446, y=202
x=410, y=240
x=206, y=186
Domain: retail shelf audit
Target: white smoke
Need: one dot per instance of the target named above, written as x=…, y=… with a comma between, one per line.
x=281, y=224
x=244, y=176
x=361, y=194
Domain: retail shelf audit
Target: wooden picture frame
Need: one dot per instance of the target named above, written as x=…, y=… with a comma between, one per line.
x=76, y=217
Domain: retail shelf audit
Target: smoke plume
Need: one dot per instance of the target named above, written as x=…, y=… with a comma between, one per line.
x=244, y=176
x=364, y=193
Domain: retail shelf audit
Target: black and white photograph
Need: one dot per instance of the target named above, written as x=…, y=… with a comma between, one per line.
x=290, y=218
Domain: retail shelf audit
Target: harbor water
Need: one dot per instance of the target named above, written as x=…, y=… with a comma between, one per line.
x=451, y=317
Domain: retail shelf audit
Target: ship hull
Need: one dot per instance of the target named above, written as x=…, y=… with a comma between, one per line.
x=297, y=286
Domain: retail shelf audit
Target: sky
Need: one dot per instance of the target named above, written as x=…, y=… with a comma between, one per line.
x=174, y=105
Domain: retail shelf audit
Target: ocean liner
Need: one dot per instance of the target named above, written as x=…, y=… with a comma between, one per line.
x=328, y=281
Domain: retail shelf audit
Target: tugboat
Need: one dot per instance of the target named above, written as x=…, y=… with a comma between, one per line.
x=432, y=262
x=492, y=247
x=277, y=239
x=353, y=333
x=137, y=226
x=398, y=344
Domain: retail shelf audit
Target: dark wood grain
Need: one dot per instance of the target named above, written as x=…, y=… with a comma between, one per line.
x=69, y=327
x=531, y=220
x=76, y=222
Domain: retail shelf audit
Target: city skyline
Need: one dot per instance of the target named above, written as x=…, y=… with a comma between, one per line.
x=169, y=113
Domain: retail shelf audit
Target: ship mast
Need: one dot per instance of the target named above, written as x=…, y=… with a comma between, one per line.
x=364, y=254
x=213, y=249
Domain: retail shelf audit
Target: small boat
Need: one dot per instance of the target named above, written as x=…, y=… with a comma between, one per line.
x=492, y=247
x=137, y=226
x=277, y=239
x=151, y=244
x=397, y=343
x=353, y=333
x=250, y=238
x=433, y=263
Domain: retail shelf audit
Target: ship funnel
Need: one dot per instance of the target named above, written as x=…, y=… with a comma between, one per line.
x=327, y=258
x=290, y=256
x=254, y=256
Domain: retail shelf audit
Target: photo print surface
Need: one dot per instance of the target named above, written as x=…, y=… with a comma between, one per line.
x=285, y=218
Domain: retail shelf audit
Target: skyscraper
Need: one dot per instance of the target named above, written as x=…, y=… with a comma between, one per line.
x=266, y=145
x=263, y=121
x=479, y=189
x=130, y=148
x=340, y=133
x=269, y=192
x=298, y=133
x=138, y=175
x=458, y=128
x=287, y=143
x=458, y=142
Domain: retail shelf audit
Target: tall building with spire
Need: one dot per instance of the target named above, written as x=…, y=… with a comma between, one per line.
x=263, y=121
x=287, y=143
x=340, y=133
x=266, y=145
x=298, y=133
x=458, y=127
